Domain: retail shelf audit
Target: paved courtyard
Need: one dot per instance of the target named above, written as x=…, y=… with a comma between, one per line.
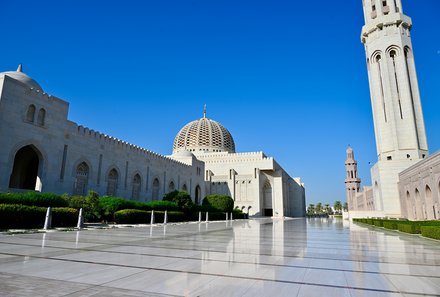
x=264, y=257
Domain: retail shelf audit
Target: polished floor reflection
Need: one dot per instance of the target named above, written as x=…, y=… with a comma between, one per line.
x=263, y=257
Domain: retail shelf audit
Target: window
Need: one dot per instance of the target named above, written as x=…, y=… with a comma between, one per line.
x=156, y=186
x=41, y=117
x=112, y=182
x=135, y=193
x=171, y=187
x=30, y=115
x=81, y=179
x=389, y=158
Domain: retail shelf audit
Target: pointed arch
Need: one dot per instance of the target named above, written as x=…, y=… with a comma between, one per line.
x=418, y=205
x=267, y=199
x=27, y=169
x=156, y=188
x=136, y=187
x=184, y=188
x=82, y=173
x=112, y=182
x=430, y=207
x=171, y=187
x=198, y=195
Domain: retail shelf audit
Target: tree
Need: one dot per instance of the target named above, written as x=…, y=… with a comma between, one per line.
x=338, y=207
x=345, y=206
x=319, y=208
x=328, y=210
x=311, y=209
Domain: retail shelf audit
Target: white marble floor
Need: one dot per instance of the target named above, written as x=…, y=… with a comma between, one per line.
x=263, y=257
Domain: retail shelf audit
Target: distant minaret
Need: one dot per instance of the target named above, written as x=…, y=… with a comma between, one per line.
x=352, y=181
x=397, y=110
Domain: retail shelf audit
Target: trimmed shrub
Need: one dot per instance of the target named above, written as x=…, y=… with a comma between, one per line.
x=215, y=216
x=64, y=217
x=390, y=224
x=237, y=214
x=430, y=231
x=132, y=216
x=162, y=205
x=135, y=216
x=378, y=223
x=34, y=199
x=222, y=203
x=23, y=216
x=411, y=228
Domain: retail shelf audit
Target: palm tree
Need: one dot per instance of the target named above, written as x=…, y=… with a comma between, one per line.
x=311, y=209
x=345, y=206
x=328, y=209
x=338, y=207
x=319, y=208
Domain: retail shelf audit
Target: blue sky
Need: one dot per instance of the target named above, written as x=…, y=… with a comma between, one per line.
x=285, y=77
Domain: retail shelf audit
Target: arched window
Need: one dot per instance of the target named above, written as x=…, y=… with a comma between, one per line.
x=30, y=114
x=41, y=117
x=184, y=188
x=198, y=192
x=171, y=187
x=136, y=187
x=430, y=207
x=81, y=179
x=156, y=186
x=112, y=182
x=418, y=205
x=409, y=205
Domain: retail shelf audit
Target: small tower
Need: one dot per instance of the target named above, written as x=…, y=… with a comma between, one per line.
x=352, y=181
x=397, y=111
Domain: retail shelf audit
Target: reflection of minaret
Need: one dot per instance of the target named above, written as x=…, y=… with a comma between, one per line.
x=352, y=182
x=397, y=112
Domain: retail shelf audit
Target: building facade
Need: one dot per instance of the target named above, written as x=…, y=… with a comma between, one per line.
x=42, y=150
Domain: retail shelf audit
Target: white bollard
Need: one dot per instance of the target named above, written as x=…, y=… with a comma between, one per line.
x=165, y=218
x=207, y=217
x=48, y=220
x=200, y=216
x=231, y=217
x=227, y=216
x=152, y=218
x=80, y=219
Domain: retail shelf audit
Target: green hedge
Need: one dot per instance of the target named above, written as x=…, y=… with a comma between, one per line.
x=24, y=217
x=409, y=228
x=34, y=199
x=135, y=216
x=221, y=203
x=378, y=223
x=430, y=231
x=391, y=224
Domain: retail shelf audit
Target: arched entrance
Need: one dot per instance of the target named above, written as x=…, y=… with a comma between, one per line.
x=26, y=173
x=430, y=207
x=198, y=194
x=171, y=187
x=112, y=182
x=136, y=188
x=184, y=188
x=267, y=200
x=418, y=205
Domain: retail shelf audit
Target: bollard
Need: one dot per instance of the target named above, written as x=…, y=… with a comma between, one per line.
x=227, y=216
x=80, y=219
x=48, y=221
x=165, y=218
x=152, y=218
x=200, y=216
x=207, y=217
x=231, y=217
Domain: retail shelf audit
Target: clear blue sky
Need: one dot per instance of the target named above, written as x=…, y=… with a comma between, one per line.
x=285, y=77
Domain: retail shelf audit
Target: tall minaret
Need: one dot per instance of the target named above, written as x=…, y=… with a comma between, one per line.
x=397, y=110
x=352, y=181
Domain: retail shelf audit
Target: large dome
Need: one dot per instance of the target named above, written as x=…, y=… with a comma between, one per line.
x=204, y=135
x=20, y=76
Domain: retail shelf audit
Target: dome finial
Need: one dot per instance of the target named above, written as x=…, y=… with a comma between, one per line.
x=20, y=67
x=204, y=111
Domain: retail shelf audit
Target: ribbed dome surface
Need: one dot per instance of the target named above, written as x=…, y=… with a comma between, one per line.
x=204, y=135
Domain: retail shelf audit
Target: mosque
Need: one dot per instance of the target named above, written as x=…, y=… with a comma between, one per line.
x=406, y=180
x=42, y=150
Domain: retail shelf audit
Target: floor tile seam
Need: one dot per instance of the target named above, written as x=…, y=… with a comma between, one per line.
x=235, y=262
x=242, y=253
x=236, y=276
